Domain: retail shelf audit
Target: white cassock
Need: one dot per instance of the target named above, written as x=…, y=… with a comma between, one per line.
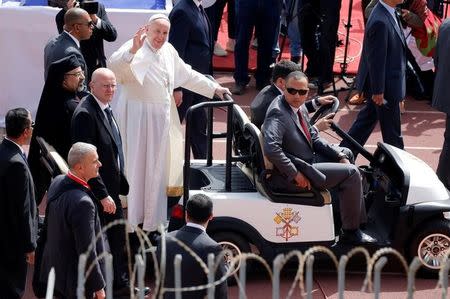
x=150, y=126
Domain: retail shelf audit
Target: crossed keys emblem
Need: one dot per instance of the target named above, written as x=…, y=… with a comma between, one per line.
x=287, y=218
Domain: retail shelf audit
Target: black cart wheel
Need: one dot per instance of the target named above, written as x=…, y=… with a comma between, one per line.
x=430, y=245
x=235, y=244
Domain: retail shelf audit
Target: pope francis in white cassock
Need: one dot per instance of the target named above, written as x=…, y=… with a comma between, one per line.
x=149, y=68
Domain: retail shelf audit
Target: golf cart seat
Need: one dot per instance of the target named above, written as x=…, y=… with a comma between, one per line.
x=264, y=172
x=50, y=158
x=240, y=143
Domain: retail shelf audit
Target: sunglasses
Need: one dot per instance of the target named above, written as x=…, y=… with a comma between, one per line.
x=88, y=24
x=294, y=91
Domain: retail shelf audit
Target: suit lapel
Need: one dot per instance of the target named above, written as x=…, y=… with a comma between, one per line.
x=13, y=148
x=102, y=117
x=295, y=119
x=394, y=24
x=196, y=12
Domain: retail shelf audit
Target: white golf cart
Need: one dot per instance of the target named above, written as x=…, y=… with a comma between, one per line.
x=408, y=207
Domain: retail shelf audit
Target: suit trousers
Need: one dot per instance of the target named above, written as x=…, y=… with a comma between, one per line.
x=12, y=279
x=346, y=180
x=215, y=13
x=443, y=169
x=387, y=114
x=116, y=242
x=264, y=15
x=197, y=122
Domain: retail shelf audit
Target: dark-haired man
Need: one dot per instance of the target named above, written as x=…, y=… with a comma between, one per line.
x=267, y=95
x=264, y=98
x=292, y=147
x=18, y=217
x=198, y=214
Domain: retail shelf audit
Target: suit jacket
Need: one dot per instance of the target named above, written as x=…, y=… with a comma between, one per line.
x=442, y=62
x=383, y=59
x=59, y=47
x=191, y=272
x=287, y=147
x=18, y=213
x=89, y=124
x=262, y=101
x=191, y=36
x=72, y=225
x=93, y=49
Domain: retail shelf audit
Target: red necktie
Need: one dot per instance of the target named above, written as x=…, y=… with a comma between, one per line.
x=304, y=126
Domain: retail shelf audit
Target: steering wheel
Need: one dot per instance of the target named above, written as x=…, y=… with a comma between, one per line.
x=324, y=110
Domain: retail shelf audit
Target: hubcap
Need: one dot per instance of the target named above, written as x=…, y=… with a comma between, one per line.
x=432, y=250
x=231, y=250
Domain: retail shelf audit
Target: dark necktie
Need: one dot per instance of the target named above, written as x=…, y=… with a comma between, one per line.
x=24, y=157
x=304, y=126
x=116, y=135
x=399, y=23
x=204, y=18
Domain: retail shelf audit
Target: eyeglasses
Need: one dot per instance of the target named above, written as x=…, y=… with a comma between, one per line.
x=89, y=24
x=294, y=91
x=77, y=74
x=31, y=125
x=109, y=86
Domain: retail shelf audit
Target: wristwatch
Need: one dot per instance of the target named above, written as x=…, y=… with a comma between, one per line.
x=316, y=101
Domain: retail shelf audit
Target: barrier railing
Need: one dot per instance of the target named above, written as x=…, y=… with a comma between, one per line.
x=303, y=277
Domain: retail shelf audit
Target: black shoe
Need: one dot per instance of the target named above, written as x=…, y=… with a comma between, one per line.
x=355, y=237
x=238, y=89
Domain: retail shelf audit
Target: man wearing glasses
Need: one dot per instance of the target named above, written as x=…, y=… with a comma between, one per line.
x=292, y=147
x=54, y=114
x=92, y=49
x=18, y=217
x=77, y=27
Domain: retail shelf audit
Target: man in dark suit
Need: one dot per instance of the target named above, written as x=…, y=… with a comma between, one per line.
x=264, y=98
x=293, y=149
x=381, y=76
x=92, y=49
x=441, y=99
x=73, y=225
x=93, y=123
x=18, y=217
x=78, y=26
x=199, y=209
x=191, y=35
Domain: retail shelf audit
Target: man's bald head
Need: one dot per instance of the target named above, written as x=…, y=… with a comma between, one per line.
x=102, y=73
x=103, y=85
x=78, y=23
x=75, y=15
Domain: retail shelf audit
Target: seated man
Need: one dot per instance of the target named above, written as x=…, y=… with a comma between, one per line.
x=292, y=147
x=265, y=97
x=193, y=234
x=261, y=102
